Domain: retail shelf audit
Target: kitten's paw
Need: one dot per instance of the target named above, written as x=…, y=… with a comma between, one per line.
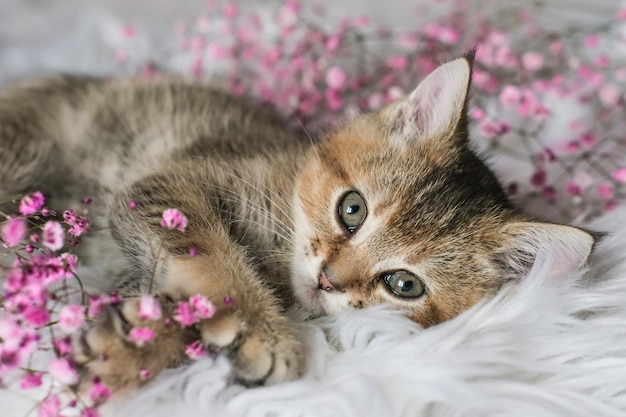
x=111, y=352
x=262, y=352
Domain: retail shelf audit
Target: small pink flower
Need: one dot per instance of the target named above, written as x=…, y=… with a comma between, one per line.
x=573, y=189
x=193, y=251
x=174, y=219
x=230, y=10
x=37, y=316
x=129, y=31
x=99, y=393
x=619, y=175
x=610, y=95
x=605, y=191
x=196, y=350
x=62, y=370
x=621, y=14
x=532, y=61
x=201, y=306
x=228, y=301
x=80, y=227
x=96, y=305
x=132, y=204
x=145, y=374
x=69, y=217
x=538, y=178
x=31, y=380
x=141, y=335
x=31, y=203
x=71, y=318
x=13, y=231
x=149, y=308
x=333, y=43
x=336, y=78
x=592, y=40
x=184, y=315
x=549, y=193
x=510, y=95
x=53, y=235
x=50, y=407
x=63, y=346
x=90, y=412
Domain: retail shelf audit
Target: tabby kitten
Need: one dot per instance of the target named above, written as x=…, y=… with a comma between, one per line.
x=392, y=208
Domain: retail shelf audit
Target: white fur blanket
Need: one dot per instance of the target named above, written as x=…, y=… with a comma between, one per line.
x=541, y=349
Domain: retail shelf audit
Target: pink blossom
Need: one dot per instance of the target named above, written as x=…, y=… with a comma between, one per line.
x=605, y=191
x=336, y=78
x=549, y=193
x=621, y=14
x=230, y=10
x=196, y=350
x=62, y=370
x=90, y=412
x=53, y=235
x=228, y=301
x=510, y=95
x=174, y=219
x=538, y=178
x=129, y=31
x=397, y=62
x=69, y=217
x=332, y=43
x=63, y=346
x=573, y=189
x=193, y=251
x=37, y=316
x=592, y=40
x=141, y=335
x=532, y=61
x=619, y=175
x=50, y=407
x=184, y=314
x=145, y=374
x=31, y=380
x=132, y=204
x=71, y=318
x=149, y=308
x=99, y=393
x=610, y=94
x=13, y=231
x=31, y=203
x=96, y=305
x=80, y=227
x=201, y=306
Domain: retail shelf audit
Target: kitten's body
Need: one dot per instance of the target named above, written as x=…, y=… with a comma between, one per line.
x=392, y=208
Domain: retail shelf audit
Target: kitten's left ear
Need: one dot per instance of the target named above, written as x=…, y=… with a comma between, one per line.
x=524, y=241
x=437, y=107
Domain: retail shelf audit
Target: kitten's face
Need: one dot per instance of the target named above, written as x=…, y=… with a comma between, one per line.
x=395, y=208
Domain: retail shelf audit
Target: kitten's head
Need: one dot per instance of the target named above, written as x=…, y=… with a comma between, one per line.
x=394, y=207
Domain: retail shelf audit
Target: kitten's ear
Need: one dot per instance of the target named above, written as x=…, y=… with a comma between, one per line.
x=437, y=107
x=524, y=241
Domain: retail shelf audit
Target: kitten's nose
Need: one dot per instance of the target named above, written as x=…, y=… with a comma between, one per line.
x=323, y=283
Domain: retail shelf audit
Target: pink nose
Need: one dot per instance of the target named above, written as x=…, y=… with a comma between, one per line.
x=323, y=283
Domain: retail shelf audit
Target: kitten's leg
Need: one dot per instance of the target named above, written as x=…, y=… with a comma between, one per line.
x=253, y=330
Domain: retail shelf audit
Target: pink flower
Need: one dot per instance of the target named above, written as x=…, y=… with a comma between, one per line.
x=145, y=374
x=333, y=43
x=141, y=335
x=610, y=95
x=228, y=301
x=62, y=370
x=592, y=40
x=621, y=14
x=173, y=219
x=605, y=191
x=538, y=178
x=532, y=61
x=99, y=393
x=619, y=175
x=510, y=95
x=202, y=308
x=13, y=231
x=184, y=314
x=31, y=203
x=53, y=235
x=336, y=78
x=573, y=189
x=50, y=407
x=90, y=412
x=193, y=251
x=196, y=350
x=129, y=31
x=37, y=316
x=149, y=308
x=63, y=346
x=96, y=305
x=69, y=217
x=31, y=380
x=71, y=318
x=80, y=227
x=230, y=10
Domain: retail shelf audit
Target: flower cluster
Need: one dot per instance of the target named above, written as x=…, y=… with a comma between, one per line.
x=44, y=304
x=548, y=101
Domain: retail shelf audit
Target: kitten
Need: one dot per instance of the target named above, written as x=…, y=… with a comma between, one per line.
x=393, y=207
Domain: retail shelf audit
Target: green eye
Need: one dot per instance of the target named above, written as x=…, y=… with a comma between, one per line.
x=404, y=284
x=352, y=210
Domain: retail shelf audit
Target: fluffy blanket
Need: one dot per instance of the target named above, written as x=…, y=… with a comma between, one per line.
x=538, y=349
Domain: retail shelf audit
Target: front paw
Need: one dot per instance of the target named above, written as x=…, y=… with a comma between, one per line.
x=123, y=350
x=262, y=350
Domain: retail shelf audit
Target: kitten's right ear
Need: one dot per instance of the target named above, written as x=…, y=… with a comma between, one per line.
x=436, y=109
x=524, y=241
